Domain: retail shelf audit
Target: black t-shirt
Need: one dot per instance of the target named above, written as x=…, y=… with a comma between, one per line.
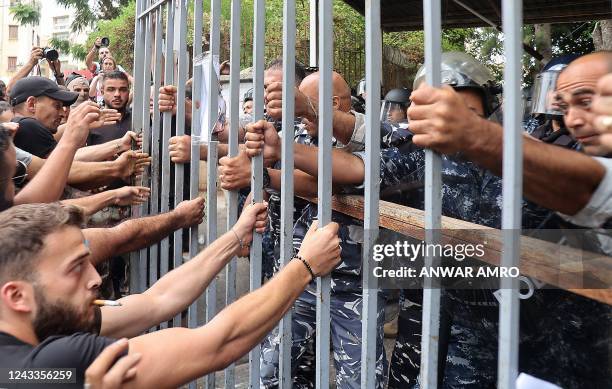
x=33, y=137
x=76, y=351
x=111, y=132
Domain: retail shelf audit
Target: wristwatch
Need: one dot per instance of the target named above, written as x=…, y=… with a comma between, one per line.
x=266, y=178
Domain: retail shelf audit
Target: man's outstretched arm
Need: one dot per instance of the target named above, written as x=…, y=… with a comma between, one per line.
x=236, y=329
x=135, y=234
x=555, y=178
x=175, y=291
x=347, y=169
x=48, y=178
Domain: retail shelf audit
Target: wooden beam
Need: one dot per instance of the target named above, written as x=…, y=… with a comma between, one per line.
x=539, y=258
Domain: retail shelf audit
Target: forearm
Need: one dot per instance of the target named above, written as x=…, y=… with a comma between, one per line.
x=21, y=73
x=91, y=175
x=94, y=203
x=222, y=151
x=49, y=182
x=131, y=235
x=347, y=169
x=60, y=131
x=93, y=87
x=343, y=126
x=90, y=57
x=303, y=184
x=253, y=316
x=175, y=291
x=553, y=177
x=96, y=153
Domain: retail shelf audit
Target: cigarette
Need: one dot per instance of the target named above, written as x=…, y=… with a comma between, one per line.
x=106, y=303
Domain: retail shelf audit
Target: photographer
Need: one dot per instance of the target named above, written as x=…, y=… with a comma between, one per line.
x=101, y=47
x=36, y=55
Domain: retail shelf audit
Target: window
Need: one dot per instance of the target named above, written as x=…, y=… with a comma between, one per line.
x=12, y=64
x=13, y=32
x=62, y=36
x=61, y=22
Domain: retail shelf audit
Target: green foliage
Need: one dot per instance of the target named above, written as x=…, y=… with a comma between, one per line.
x=486, y=44
x=26, y=14
x=78, y=51
x=86, y=16
x=120, y=31
x=63, y=46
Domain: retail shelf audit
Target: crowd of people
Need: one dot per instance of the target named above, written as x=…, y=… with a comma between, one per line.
x=71, y=165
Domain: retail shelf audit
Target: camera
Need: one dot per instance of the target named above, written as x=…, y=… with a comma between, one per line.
x=104, y=42
x=50, y=54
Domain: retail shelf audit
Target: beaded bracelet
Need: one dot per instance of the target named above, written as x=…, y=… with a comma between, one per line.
x=307, y=266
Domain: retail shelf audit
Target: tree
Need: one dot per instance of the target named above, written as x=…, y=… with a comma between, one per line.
x=27, y=15
x=86, y=16
x=77, y=51
x=602, y=35
x=120, y=32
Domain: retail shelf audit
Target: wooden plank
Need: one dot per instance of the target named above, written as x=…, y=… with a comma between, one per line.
x=539, y=258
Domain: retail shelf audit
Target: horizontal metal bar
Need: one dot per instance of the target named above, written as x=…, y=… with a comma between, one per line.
x=152, y=8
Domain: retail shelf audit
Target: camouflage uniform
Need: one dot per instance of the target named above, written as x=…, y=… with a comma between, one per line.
x=346, y=304
x=552, y=346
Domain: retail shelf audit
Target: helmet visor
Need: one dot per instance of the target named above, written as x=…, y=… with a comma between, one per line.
x=393, y=112
x=544, y=97
x=361, y=88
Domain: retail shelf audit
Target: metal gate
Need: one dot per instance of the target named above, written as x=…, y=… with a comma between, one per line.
x=161, y=58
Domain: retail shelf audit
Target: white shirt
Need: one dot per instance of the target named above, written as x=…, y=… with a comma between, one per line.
x=599, y=208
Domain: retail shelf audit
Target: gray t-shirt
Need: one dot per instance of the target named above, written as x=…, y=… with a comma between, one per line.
x=23, y=156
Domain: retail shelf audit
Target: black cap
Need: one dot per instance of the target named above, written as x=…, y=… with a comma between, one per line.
x=40, y=86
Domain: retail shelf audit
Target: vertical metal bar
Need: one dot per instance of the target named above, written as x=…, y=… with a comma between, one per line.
x=138, y=269
x=211, y=193
x=180, y=51
x=369, y=321
x=196, y=129
x=232, y=196
x=286, y=249
x=196, y=132
x=167, y=131
x=512, y=20
x=257, y=165
x=326, y=58
x=433, y=205
x=156, y=135
x=145, y=123
x=313, y=33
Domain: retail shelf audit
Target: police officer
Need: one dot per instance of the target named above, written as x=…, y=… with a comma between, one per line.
x=545, y=108
x=346, y=297
x=394, y=106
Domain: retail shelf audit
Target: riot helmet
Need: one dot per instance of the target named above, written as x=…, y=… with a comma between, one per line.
x=361, y=88
x=544, y=98
x=461, y=71
x=394, y=106
x=248, y=95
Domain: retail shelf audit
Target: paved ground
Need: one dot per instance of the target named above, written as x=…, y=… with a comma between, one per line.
x=242, y=284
